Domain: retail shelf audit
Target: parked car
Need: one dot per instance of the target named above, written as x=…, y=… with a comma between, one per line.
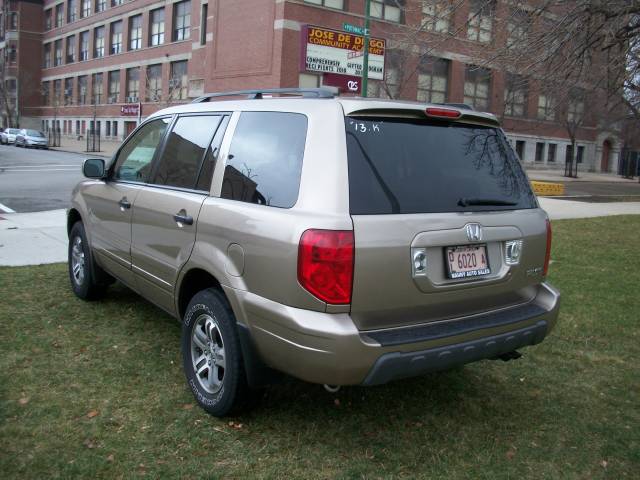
x=31, y=138
x=343, y=241
x=9, y=135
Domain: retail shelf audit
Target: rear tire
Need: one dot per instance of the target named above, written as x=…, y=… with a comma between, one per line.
x=211, y=354
x=88, y=280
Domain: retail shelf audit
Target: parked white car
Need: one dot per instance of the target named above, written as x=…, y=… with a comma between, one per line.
x=8, y=135
x=31, y=138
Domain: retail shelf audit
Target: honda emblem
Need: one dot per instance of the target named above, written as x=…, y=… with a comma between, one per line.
x=474, y=232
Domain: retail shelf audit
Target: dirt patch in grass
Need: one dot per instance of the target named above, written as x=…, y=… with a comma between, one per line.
x=96, y=390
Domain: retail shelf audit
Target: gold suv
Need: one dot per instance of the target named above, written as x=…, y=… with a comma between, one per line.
x=343, y=241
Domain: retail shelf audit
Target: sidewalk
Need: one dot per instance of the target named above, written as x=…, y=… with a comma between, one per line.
x=33, y=238
x=558, y=176
x=41, y=237
x=107, y=147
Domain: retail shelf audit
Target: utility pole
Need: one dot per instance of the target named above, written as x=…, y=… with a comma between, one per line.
x=365, y=59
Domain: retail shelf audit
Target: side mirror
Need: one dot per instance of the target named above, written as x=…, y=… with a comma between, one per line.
x=93, y=168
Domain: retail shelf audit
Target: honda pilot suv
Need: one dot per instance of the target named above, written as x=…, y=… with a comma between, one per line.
x=342, y=241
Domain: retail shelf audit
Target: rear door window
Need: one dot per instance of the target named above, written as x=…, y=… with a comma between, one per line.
x=265, y=159
x=187, y=145
x=413, y=166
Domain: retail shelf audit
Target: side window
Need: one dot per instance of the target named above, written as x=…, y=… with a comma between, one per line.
x=265, y=159
x=134, y=159
x=185, y=149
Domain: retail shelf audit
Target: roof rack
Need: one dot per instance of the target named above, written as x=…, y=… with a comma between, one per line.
x=259, y=94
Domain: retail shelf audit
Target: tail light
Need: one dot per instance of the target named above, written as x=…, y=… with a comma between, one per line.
x=443, y=112
x=325, y=264
x=547, y=255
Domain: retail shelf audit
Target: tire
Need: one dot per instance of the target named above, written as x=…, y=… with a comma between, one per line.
x=210, y=343
x=88, y=280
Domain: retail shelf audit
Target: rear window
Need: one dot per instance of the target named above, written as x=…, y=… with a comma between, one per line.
x=412, y=166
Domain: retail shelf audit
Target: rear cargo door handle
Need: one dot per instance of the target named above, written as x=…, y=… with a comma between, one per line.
x=124, y=204
x=183, y=219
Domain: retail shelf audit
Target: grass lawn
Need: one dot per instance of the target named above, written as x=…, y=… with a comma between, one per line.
x=97, y=390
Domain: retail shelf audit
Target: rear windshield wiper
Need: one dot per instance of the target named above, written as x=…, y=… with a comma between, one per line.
x=467, y=202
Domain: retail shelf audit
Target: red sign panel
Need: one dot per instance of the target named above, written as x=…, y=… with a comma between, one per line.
x=346, y=83
x=130, y=110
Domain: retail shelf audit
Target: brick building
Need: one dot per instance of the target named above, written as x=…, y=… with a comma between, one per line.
x=118, y=61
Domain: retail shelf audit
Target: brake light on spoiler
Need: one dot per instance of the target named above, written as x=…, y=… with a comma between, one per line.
x=442, y=112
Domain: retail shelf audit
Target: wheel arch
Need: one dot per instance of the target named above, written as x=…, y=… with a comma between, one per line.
x=196, y=279
x=73, y=216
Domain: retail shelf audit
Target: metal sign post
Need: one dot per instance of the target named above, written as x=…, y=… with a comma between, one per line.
x=365, y=60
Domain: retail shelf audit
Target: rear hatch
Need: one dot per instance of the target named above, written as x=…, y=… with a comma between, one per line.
x=440, y=207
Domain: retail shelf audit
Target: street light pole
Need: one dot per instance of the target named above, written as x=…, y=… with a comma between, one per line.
x=365, y=59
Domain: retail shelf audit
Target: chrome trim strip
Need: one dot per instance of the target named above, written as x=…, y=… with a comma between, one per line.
x=143, y=271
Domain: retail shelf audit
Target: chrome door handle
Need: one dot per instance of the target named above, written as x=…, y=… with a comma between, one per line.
x=124, y=204
x=183, y=219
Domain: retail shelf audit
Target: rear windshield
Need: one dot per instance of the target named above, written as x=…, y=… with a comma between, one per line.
x=414, y=166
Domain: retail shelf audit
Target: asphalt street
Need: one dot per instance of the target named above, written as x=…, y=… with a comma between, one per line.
x=37, y=180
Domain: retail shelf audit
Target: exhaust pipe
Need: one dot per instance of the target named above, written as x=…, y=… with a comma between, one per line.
x=332, y=388
x=512, y=355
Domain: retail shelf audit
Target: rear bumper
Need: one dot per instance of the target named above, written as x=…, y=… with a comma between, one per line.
x=328, y=348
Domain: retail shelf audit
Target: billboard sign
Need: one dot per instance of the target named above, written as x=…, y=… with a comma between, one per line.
x=332, y=51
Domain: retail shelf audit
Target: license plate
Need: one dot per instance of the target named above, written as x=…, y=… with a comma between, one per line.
x=467, y=261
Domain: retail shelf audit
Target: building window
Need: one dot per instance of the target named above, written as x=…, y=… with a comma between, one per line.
x=57, y=93
x=539, y=151
x=82, y=90
x=71, y=49
x=436, y=15
x=520, y=144
x=13, y=53
x=84, y=45
x=480, y=22
x=546, y=107
x=154, y=83
x=309, y=80
x=46, y=56
x=515, y=96
x=46, y=100
x=107, y=128
x=338, y=4
x=580, y=155
x=97, y=88
x=135, y=32
x=133, y=84
x=59, y=15
x=98, y=40
x=114, y=86
x=116, y=37
x=203, y=24
x=156, y=18
x=101, y=5
x=72, y=5
x=85, y=9
x=57, y=59
x=115, y=3
x=575, y=113
x=181, y=20
x=390, y=10
x=432, y=81
x=68, y=91
x=47, y=19
x=115, y=129
x=13, y=21
x=178, y=81
x=477, y=83
x=387, y=89
x=551, y=152
x=518, y=27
